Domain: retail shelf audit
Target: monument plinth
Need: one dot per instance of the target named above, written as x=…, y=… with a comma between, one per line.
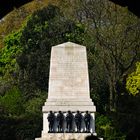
x=68, y=84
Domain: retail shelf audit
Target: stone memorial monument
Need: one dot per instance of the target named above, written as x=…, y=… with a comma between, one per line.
x=68, y=91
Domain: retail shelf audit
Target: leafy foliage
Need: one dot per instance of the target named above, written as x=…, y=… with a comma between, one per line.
x=12, y=102
x=8, y=55
x=133, y=81
x=34, y=106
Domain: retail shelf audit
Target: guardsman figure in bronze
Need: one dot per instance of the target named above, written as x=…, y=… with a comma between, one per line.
x=51, y=119
x=87, y=118
x=60, y=120
x=69, y=120
x=78, y=121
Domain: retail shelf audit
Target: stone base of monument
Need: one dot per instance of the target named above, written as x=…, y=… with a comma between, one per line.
x=64, y=136
x=69, y=104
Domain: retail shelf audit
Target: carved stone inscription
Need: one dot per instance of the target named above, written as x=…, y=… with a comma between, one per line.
x=68, y=72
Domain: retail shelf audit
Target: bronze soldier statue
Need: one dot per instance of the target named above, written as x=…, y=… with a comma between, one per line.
x=60, y=120
x=69, y=120
x=87, y=118
x=78, y=121
x=51, y=119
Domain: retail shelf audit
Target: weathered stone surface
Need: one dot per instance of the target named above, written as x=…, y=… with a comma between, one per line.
x=68, y=79
x=68, y=72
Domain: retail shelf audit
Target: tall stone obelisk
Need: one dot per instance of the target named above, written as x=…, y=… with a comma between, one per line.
x=68, y=84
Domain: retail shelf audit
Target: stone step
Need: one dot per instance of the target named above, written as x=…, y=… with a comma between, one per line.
x=64, y=136
x=69, y=103
x=62, y=99
x=73, y=108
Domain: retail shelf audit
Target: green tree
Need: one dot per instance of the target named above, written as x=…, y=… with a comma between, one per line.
x=12, y=102
x=133, y=81
x=9, y=53
x=8, y=64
